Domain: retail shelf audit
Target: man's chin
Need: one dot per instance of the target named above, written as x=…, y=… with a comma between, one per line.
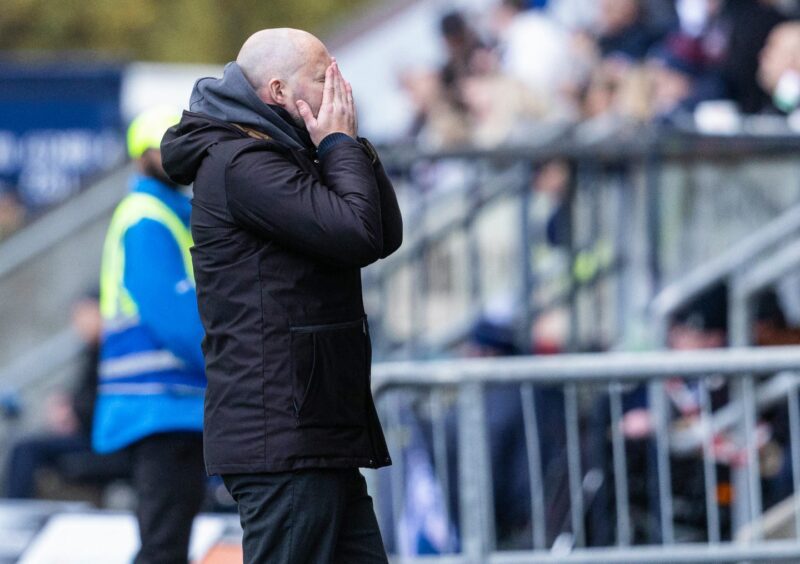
x=298, y=121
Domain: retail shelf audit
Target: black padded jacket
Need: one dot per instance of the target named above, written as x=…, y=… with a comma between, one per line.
x=280, y=237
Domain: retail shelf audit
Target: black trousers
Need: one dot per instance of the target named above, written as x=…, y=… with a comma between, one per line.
x=313, y=516
x=169, y=479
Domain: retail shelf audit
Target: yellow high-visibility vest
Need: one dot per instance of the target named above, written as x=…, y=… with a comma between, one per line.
x=116, y=304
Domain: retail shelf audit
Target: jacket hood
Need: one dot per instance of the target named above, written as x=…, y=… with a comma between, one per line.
x=214, y=105
x=186, y=144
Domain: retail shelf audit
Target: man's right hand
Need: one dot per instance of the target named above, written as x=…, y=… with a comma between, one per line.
x=337, y=113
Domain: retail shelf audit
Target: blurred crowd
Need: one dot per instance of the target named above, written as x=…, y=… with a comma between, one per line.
x=604, y=64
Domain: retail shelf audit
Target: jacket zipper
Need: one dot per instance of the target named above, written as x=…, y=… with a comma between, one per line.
x=331, y=326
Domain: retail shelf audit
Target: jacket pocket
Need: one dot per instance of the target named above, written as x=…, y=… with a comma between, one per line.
x=330, y=374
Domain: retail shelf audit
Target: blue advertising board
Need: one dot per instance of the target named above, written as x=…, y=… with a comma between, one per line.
x=60, y=125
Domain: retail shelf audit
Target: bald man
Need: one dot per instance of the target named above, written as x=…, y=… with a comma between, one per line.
x=289, y=205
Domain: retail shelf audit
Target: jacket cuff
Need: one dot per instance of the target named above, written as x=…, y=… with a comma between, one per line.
x=330, y=142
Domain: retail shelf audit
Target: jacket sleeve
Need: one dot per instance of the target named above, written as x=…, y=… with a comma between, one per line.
x=338, y=219
x=391, y=220
x=156, y=279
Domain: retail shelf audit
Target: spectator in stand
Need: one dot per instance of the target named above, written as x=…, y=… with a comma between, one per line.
x=773, y=329
x=779, y=68
x=679, y=84
x=67, y=440
x=534, y=51
x=436, y=122
x=749, y=23
x=622, y=30
x=702, y=324
x=725, y=37
x=472, y=100
x=493, y=336
x=614, y=99
x=441, y=114
x=464, y=53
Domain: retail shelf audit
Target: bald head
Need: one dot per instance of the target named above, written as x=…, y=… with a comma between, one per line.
x=276, y=53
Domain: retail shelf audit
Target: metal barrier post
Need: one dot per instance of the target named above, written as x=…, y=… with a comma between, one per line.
x=652, y=171
x=747, y=508
x=526, y=267
x=473, y=241
x=396, y=437
x=574, y=463
x=539, y=524
x=477, y=507
x=794, y=429
x=658, y=405
x=620, y=467
x=709, y=471
x=440, y=463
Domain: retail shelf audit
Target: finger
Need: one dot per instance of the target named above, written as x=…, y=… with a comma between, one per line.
x=348, y=95
x=328, y=89
x=305, y=112
x=352, y=104
x=349, y=90
x=340, y=93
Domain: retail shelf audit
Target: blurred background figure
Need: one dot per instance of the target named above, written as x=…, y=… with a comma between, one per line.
x=151, y=372
x=12, y=215
x=622, y=32
x=779, y=67
x=64, y=447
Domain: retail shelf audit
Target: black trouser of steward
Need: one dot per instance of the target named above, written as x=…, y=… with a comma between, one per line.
x=170, y=482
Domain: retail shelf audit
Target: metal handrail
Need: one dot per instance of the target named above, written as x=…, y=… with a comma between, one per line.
x=40, y=361
x=588, y=367
x=687, y=440
x=635, y=143
x=770, y=270
x=702, y=278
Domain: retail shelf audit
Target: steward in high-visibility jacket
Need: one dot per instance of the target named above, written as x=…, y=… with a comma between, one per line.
x=151, y=377
x=151, y=373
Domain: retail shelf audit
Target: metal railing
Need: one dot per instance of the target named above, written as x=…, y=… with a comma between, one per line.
x=747, y=268
x=609, y=266
x=726, y=268
x=721, y=269
x=575, y=376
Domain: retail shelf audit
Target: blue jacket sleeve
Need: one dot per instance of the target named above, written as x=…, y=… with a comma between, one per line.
x=157, y=281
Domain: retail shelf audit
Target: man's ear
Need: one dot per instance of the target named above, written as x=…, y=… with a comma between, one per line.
x=277, y=91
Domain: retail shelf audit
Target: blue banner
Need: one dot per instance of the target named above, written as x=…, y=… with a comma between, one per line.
x=60, y=126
